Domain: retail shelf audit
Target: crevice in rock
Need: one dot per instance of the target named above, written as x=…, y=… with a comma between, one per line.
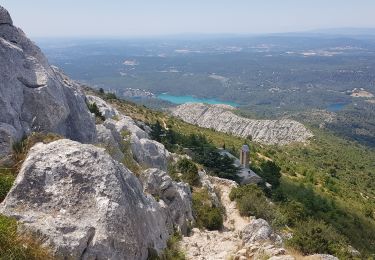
x=89, y=240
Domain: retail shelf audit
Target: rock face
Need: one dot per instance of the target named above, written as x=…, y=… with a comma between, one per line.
x=259, y=231
x=87, y=205
x=177, y=196
x=5, y=16
x=106, y=110
x=222, y=119
x=149, y=153
x=35, y=96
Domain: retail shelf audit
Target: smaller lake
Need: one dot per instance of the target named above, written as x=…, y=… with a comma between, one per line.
x=336, y=107
x=190, y=99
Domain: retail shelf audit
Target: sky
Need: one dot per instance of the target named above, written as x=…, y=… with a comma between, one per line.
x=86, y=18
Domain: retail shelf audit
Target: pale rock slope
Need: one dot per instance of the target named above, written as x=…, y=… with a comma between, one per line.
x=221, y=118
x=87, y=205
x=33, y=95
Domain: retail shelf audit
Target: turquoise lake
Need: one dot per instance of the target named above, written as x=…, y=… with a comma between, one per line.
x=190, y=99
x=336, y=107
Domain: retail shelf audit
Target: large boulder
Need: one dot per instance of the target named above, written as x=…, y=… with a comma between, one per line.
x=149, y=153
x=85, y=204
x=259, y=231
x=33, y=95
x=105, y=109
x=176, y=195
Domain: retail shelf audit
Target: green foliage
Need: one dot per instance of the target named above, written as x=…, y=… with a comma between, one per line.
x=19, y=247
x=203, y=151
x=331, y=179
x=110, y=96
x=172, y=252
x=157, y=131
x=206, y=214
x=270, y=172
x=313, y=236
x=6, y=181
x=128, y=160
x=251, y=201
x=189, y=171
x=95, y=110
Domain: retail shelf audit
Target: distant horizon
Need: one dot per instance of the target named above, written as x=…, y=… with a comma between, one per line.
x=145, y=18
x=350, y=31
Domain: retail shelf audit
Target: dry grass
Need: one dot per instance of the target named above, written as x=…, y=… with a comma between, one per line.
x=14, y=246
x=22, y=147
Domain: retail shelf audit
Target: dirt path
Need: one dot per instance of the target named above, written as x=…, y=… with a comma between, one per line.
x=214, y=245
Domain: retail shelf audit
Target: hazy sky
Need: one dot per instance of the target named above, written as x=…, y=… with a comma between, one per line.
x=155, y=17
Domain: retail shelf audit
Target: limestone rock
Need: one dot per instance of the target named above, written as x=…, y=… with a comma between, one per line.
x=106, y=110
x=106, y=138
x=222, y=119
x=282, y=257
x=5, y=16
x=259, y=231
x=127, y=124
x=323, y=257
x=177, y=196
x=85, y=204
x=149, y=153
x=35, y=96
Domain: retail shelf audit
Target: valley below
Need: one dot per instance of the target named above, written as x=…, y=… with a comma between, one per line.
x=141, y=152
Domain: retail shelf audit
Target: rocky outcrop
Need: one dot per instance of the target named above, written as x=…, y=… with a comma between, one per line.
x=35, y=96
x=176, y=195
x=221, y=118
x=149, y=153
x=85, y=204
x=106, y=110
x=5, y=17
x=111, y=133
x=259, y=231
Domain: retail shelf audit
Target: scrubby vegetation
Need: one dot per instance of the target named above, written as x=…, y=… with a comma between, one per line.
x=207, y=215
x=172, y=252
x=313, y=236
x=189, y=171
x=199, y=147
x=95, y=110
x=7, y=178
x=19, y=247
x=329, y=179
x=251, y=201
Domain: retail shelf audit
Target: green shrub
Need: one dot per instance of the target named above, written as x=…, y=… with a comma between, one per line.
x=6, y=181
x=251, y=201
x=95, y=110
x=18, y=247
x=313, y=236
x=206, y=214
x=172, y=252
x=189, y=171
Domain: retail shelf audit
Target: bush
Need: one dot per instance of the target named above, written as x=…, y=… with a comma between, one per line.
x=313, y=236
x=206, y=214
x=95, y=110
x=172, y=252
x=189, y=171
x=18, y=247
x=251, y=201
x=6, y=181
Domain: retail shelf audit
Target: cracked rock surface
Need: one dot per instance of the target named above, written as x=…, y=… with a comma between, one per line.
x=86, y=204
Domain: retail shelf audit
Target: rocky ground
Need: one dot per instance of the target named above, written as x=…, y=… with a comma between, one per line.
x=221, y=118
x=241, y=238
